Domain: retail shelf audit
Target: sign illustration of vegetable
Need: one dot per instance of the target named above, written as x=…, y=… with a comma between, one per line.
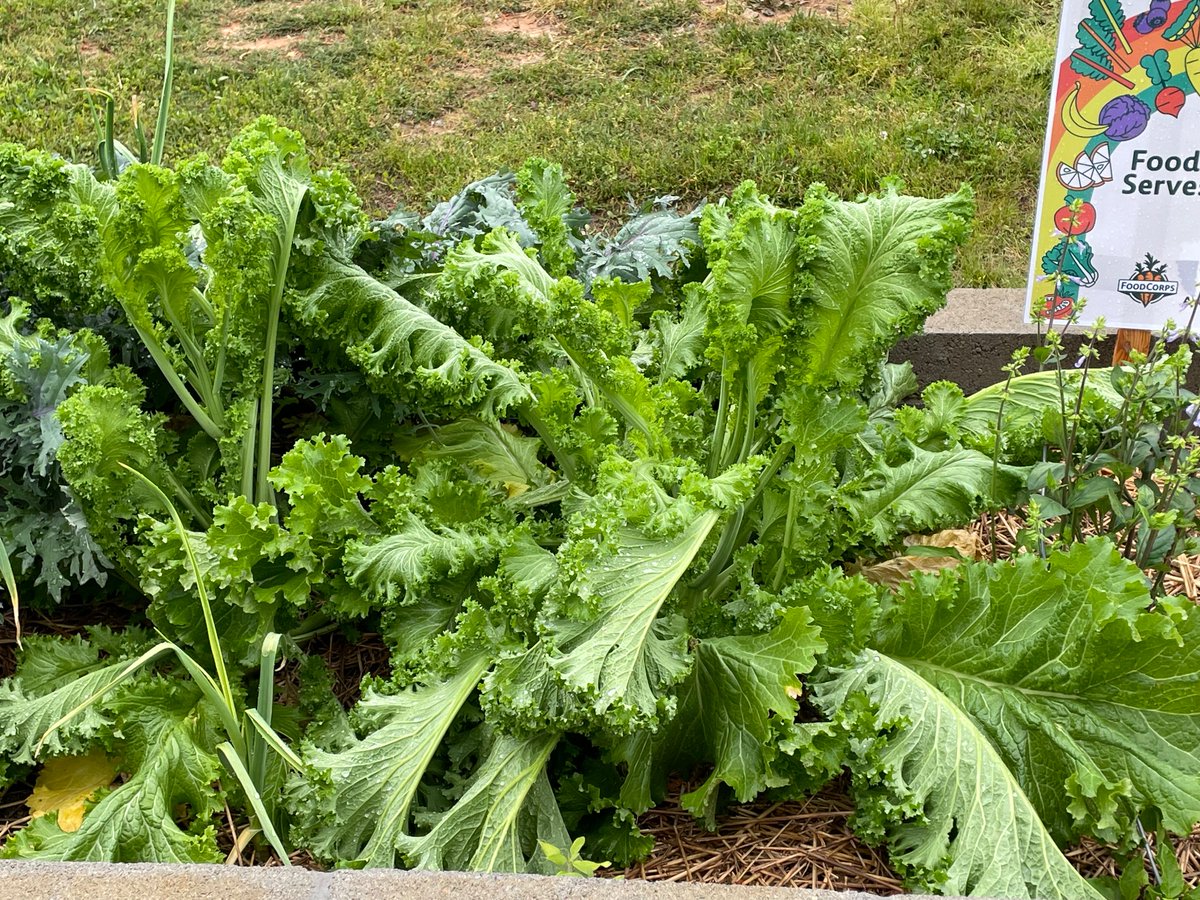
x=1170, y=99
x=1186, y=28
x=1078, y=217
x=1122, y=118
x=1071, y=259
x=1101, y=43
x=1125, y=117
x=1148, y=270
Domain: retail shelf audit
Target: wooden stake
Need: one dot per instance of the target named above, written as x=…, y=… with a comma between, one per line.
x=1128, y=340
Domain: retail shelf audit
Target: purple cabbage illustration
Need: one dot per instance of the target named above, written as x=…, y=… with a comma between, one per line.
x=1126, y=117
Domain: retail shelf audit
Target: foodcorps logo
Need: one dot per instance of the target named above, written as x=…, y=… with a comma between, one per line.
x=1148, y=282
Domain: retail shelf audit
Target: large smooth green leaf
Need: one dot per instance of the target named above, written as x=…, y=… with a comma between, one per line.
x=508, y=806
x=1093, y=703
x=952, y=812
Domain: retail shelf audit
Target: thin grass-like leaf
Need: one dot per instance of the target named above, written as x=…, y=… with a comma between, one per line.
x=234, y=763
x=212, y=691
x=214, y=640
x=10, y=582
x=265, y=706
x=157, y=650
x=164, y=102
x=272, y=740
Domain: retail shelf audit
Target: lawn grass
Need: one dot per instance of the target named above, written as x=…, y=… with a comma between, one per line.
x=635, y=99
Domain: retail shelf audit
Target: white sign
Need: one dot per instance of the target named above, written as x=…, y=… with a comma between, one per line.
x=1118, y=215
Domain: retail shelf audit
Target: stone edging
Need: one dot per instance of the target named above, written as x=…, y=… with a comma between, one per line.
x=109, y=881
x=974, y=336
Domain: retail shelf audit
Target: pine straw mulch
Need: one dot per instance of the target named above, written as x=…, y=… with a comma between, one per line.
x=797, y=843
x=808, y=843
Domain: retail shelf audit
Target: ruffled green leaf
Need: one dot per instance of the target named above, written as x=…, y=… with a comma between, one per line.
x=1093, y=703
x=884, y=266
x=354, y=805
x=955, y=818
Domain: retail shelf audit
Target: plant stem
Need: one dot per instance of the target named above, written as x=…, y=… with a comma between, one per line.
x=164, y=103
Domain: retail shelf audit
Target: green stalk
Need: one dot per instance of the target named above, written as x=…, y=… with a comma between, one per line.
x=10, y=581
x=108, y=152
x=164, y=102
x=214, y=640
x=203, y=419
x=718, y=445
x=233, y=762
x=1069, y=450
x=197, y=365
x=996, y=448
x=247, y=454
x=266, y=407
x=789, y=529
x=265, y=707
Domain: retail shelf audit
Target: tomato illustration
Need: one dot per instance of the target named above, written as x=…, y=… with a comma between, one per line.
x=1058, y=307
x=1076, y=218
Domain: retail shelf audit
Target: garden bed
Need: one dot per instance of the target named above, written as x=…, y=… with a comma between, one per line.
x=805, y=843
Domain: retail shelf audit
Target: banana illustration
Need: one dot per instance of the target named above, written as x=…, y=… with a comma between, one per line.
x=1074, y=121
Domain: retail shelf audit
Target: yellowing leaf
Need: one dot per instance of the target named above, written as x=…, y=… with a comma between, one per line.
x=66, y=783
x=891, y=573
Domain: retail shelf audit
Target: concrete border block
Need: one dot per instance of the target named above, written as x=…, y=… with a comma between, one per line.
x=974, y=336
x=20, y=880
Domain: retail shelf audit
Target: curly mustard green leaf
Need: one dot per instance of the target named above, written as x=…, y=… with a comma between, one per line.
x=884, y=266
x=356, y=804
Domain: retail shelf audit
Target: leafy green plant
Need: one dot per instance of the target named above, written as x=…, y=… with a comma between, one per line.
x=1114, y=450
x=602, y=500
x=570, y=862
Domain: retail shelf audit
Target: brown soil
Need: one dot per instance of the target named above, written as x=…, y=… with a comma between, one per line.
x=90, y=50
x=240, y=37
x=777, y=12
x=528, y=25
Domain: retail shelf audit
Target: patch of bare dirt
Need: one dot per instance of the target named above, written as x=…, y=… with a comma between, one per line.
x=91, y=50
x=283, y=44
x=431, y=128
x=528, y=25
x=240, y=37
x=525, y=58
x=777, y=12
